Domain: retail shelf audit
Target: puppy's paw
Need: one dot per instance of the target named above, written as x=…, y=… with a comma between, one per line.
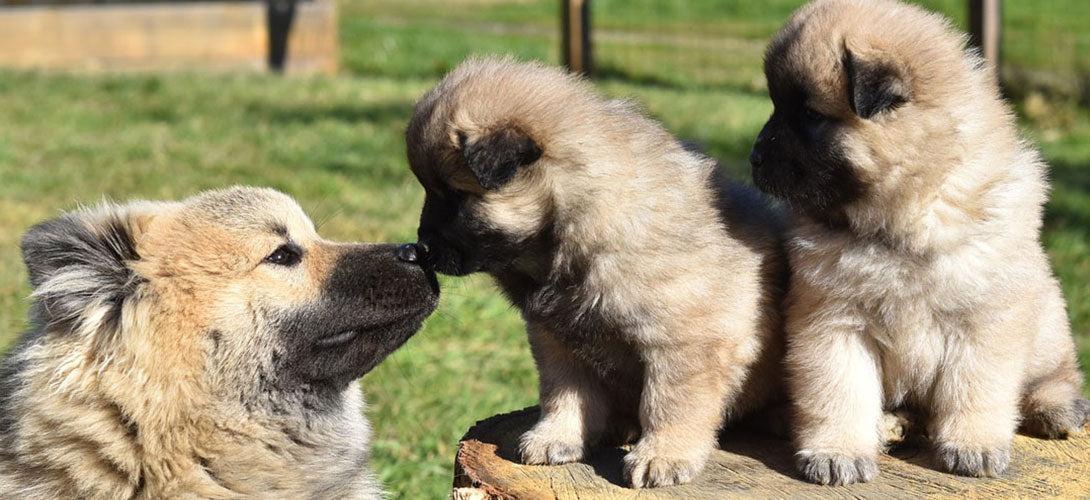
x=643, y=468
x=973, y=461
x=547, y=445
x=895, y=427
x=824, y=467
x=1059, y=422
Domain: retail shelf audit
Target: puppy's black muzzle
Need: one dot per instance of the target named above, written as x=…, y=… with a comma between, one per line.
x=760, y=146
x=762, y=159
x=446, y=235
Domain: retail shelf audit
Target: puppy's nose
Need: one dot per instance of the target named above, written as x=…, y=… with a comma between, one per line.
x=755, y=158
x=411, y=252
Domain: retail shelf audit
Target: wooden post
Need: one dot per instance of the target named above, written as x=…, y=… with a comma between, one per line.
x=751, y=465
x=279, y=15
x=985, y=23
x=575, y=35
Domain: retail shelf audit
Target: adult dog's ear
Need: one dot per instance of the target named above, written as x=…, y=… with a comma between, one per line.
x=79, y=267
x=494, y=159
x=874, y=87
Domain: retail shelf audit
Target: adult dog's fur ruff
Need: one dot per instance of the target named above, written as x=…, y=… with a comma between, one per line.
x=649, y=285
x=207, y=348
x=918, y=276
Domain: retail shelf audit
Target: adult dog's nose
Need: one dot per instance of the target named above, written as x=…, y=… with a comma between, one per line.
x=411, y=252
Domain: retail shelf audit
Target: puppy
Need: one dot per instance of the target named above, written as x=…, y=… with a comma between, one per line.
x=207, y=348
x=650, y=287
x=918, y=276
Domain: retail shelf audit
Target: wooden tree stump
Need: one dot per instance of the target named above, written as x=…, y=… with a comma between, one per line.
x=752, y=465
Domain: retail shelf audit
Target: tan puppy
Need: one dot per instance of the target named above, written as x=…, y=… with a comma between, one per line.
x=207, y=348
x=918, y=276
x=649, y=285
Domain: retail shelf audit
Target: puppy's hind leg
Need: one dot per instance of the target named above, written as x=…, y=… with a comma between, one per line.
x=574, y=411
x=1054, y=407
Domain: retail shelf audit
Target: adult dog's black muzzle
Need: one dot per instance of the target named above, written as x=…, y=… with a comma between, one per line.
x=374, y=299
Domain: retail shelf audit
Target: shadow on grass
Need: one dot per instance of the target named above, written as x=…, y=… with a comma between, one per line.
x=610, y=72
x=731, y=152
x=1071, y=177
x=308, y=112
x=345, y=148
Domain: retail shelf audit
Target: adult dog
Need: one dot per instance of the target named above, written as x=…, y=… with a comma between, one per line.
x=207, y=348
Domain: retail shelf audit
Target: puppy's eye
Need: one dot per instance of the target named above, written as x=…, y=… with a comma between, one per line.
x=812, y=115
x=456, y=194
x=285, y=255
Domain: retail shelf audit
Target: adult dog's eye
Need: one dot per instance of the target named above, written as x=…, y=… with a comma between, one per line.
x=285, y=255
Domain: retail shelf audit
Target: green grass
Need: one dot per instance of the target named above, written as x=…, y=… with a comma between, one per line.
x=337, y=145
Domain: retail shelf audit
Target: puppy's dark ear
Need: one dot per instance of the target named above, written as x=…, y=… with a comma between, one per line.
x=874, y=87
x=79, y=267
x=495, y=158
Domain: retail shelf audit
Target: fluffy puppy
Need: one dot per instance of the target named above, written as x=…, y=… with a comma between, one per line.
x=650, y=287
x=207, y=348
x=918, y=276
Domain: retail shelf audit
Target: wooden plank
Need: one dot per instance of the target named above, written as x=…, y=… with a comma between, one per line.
x=312, y=43
x=41, y=2
x=756, y=466
x=163, y=36
x=575, y=35
x=985, y=29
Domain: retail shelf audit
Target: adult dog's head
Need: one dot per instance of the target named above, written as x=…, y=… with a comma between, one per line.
x=222, y=278
x=223, y=313
x=874, y=101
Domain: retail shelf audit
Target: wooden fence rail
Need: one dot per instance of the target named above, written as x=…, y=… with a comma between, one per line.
x=985, y=24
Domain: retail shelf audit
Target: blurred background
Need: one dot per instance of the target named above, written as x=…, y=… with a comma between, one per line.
x=163, y=99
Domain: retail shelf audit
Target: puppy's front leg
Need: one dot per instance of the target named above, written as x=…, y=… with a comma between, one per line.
x=681, y=409
x=836, y=391
x=573, y=406
x=975, y=403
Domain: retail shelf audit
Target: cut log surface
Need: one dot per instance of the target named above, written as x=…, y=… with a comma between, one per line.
x=752, y=465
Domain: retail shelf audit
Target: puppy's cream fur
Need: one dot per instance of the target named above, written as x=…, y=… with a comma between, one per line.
x=650, y=287
x=930, y=288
